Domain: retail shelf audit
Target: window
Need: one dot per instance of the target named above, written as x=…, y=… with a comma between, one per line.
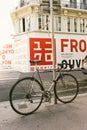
x=73, y=3
x=82, y=25
x=22, y=23
x=43, y=22
x=86, y=25
x=75, y=24
x=71, y=24
x=57, y=24
x=28, y=23
x=47, y=20
x=68, y=24
x=39, y=21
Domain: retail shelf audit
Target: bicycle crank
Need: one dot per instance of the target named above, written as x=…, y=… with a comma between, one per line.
x=47, y=96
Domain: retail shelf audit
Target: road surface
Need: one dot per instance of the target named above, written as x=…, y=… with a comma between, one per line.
x=7, y=79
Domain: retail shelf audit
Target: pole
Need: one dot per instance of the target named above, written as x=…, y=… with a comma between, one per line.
x=52, y=40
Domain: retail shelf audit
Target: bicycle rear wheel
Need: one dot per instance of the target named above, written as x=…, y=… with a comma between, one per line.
x=66, y=88
x=26, y=96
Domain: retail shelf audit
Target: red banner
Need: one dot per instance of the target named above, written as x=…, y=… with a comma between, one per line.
x=41, y=49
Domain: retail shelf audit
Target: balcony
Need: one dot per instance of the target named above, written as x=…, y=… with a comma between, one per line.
x=23, y=3
x=33, y=2
x=74, y=4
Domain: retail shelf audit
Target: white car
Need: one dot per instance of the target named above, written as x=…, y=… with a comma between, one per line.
x=84, y=68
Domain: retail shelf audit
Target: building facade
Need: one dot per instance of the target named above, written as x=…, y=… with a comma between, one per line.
x=32, y=23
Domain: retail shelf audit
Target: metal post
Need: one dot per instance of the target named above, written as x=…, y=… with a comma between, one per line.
x=52, y=40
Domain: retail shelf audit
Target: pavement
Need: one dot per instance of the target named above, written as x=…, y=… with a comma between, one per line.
x=9, y=75
x=72, y=116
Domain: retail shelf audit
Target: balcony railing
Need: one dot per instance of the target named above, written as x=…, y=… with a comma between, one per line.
x=23, y=3
x=33, y=2
x=76, y=5
x=64, y=3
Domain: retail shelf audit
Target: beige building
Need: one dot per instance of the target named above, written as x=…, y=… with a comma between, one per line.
x=32, y=19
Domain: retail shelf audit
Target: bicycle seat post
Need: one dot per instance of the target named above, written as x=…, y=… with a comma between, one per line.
x=35, y=62
x=38, y=73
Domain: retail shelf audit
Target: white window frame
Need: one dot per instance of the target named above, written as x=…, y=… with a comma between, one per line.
x=57, y=23
x=43, y=22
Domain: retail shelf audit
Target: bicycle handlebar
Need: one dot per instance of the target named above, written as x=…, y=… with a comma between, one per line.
x=62, y=65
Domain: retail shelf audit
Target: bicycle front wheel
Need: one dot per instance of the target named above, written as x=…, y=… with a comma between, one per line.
x=66, y=88
x=26, y=96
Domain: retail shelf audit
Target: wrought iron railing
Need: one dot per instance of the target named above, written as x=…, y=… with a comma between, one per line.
x=74, y=4
x=64, y=3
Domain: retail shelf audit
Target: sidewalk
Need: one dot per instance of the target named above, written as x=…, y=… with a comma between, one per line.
x=8, y=75
x=71, y=116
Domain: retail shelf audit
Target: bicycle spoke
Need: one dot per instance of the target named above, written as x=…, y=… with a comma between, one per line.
x=26, y=96
x=66, y=88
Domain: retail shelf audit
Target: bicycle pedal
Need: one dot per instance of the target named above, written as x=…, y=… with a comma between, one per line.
x=47, y=100
x=31, y=101
x=50, y=101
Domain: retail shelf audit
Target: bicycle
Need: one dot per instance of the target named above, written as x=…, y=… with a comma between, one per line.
x=28, y=93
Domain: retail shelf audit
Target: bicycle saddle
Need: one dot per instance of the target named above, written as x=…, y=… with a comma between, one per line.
x=35, y=61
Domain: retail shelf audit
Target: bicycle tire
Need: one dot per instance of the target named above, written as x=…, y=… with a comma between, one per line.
x=26, y=96
x=66, y=88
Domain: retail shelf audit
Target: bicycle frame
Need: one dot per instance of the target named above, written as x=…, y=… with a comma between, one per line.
x=40, y=79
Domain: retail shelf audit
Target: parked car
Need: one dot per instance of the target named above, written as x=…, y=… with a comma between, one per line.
x=84, y=67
